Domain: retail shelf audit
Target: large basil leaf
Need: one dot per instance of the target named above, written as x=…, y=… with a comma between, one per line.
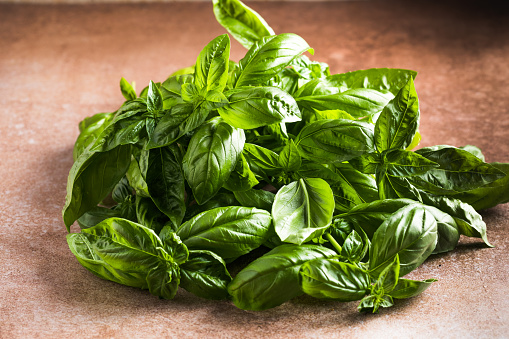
x=489, y=195
x=407, y=288
x=181, y=119
x=399, y=120
x=330, y=141
x=401, y=163
x=332, y=279
x=211, y=71
x=212, y=155
x=242, y=22
x=265, y=59
x=92, y=177
x=90, y=129
x=253, y=107
x=165, y=182
x=358, y=102
x=303, y=210
x=447, y=230
x=392, y=187
x=411, y=233
x=273, y=278
x=227, y=231
x=204, y=274
x=353, y=188
x=256, y=198
x=459, y=171
x=380, y=79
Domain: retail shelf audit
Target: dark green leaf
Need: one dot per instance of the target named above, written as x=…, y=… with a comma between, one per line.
x=273, y=278
x=241, y=178
x=154, y=98
x=407, y=288
x=149, y=215
x=401, y=163
x=256, y=198
x=163, y=280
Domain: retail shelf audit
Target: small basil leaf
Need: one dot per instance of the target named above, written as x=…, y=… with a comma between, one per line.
x=242, y=22
x=204, y=274
x=253, y=107
x=262, y=160
x=332, y=279
x=127, y=90
x=149, y=215
x=303, y=210
x=401, y=163
x=96, y=215
x=289, y=158
x=264, y=59
x=273, y=278
x=241, y=178
x=190, y=93
x=227, y=231
x=154, y=98
x=388, y=278
x=171, y=89
x=474, y=151
x=136, y=179
x=211, y=71
x=330, y=141
x=407, y=288
x=212, y=155
x=399, y=120
x=353, y=248
x=372, y=303
x=411, y=233
x=163, y=280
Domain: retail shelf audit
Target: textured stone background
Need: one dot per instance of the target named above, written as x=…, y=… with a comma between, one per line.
x=61, y=63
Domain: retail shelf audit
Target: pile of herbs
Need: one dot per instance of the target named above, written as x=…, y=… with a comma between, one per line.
x=224, y=157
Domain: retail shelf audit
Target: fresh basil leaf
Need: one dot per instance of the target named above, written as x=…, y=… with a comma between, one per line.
x=264, y=59
x=273, y=278
x=392, y=187
x=332, y=279
x=489, y=195
x=171, y=89
x=447, y=230
x=164, y=280
x=222, y=199
x=368, y=163
x=91, y=178
x=459, y=171
x=411, y=233
x=372, y=303
x=136, y=179
x=380, y=79
x=401, y=163
x=191, y=93
x=154, y=98
x=399, y=120
x=315, y=115
x=262, y=160
x=352, y=188
x=181, y=119
x=96, y=215
x=90, y=130
x=204, y=274
x=474, y=151
x=121, y=131
x=149, y=215
x=407, y=288
x=227, y=231
x=353, y=248
x=252, y=107
x=303, y=210
x=165, y=182
x=127, y=90
x=256, y=198
x=212, y=155
x=242, y=22
x=211, y=71
x=469, y=222
x=289, y=158
x=331, y=141
x=358, y=102
x=241, y=178
x=388, y=278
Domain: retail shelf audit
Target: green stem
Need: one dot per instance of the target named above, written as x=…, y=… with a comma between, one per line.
x=333, y=242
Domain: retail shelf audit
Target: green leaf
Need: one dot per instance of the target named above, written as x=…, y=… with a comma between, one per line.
x=91, y=178
x=447, y=230
x=136, y=179
x=315, y=115
x=212, y=65
x=273, y=278
x=407, y=288
x=368, y=163
x=241, y=178
x=289, y=158
x=388, y=278
x=331, y=141
x=256, y=198
x=262, y=160
x=372, y=303
x=267, y=57
x=171, y=89
x=127, y=90
x=358, y=102
x=90, y=130
x=489, y=195
x=242, y=22
x=401, y=163
x=149, y=215
x=303, y=210
x=399, y=120
x=253, y=107
x=332, y=279
x=392, y=187
x=190, y=93
x=181, y=119
x=154, y=98
x=380, y=79
x=353, y=248
x=165, y=182
x=411, y=233
x=459, y=171
x=222, y=199
x=474, y=151
x=204, y=274
x=163, y=280
x=227, y=231
x=212, y=155
x=129, y=130
x=96, y=215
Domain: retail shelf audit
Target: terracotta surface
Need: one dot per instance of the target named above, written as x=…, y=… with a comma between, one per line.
x=59, y=64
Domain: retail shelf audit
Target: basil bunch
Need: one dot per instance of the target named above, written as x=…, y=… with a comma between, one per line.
x=224, y=157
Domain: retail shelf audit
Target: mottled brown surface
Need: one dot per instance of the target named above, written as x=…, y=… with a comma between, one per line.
x=59, y=64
